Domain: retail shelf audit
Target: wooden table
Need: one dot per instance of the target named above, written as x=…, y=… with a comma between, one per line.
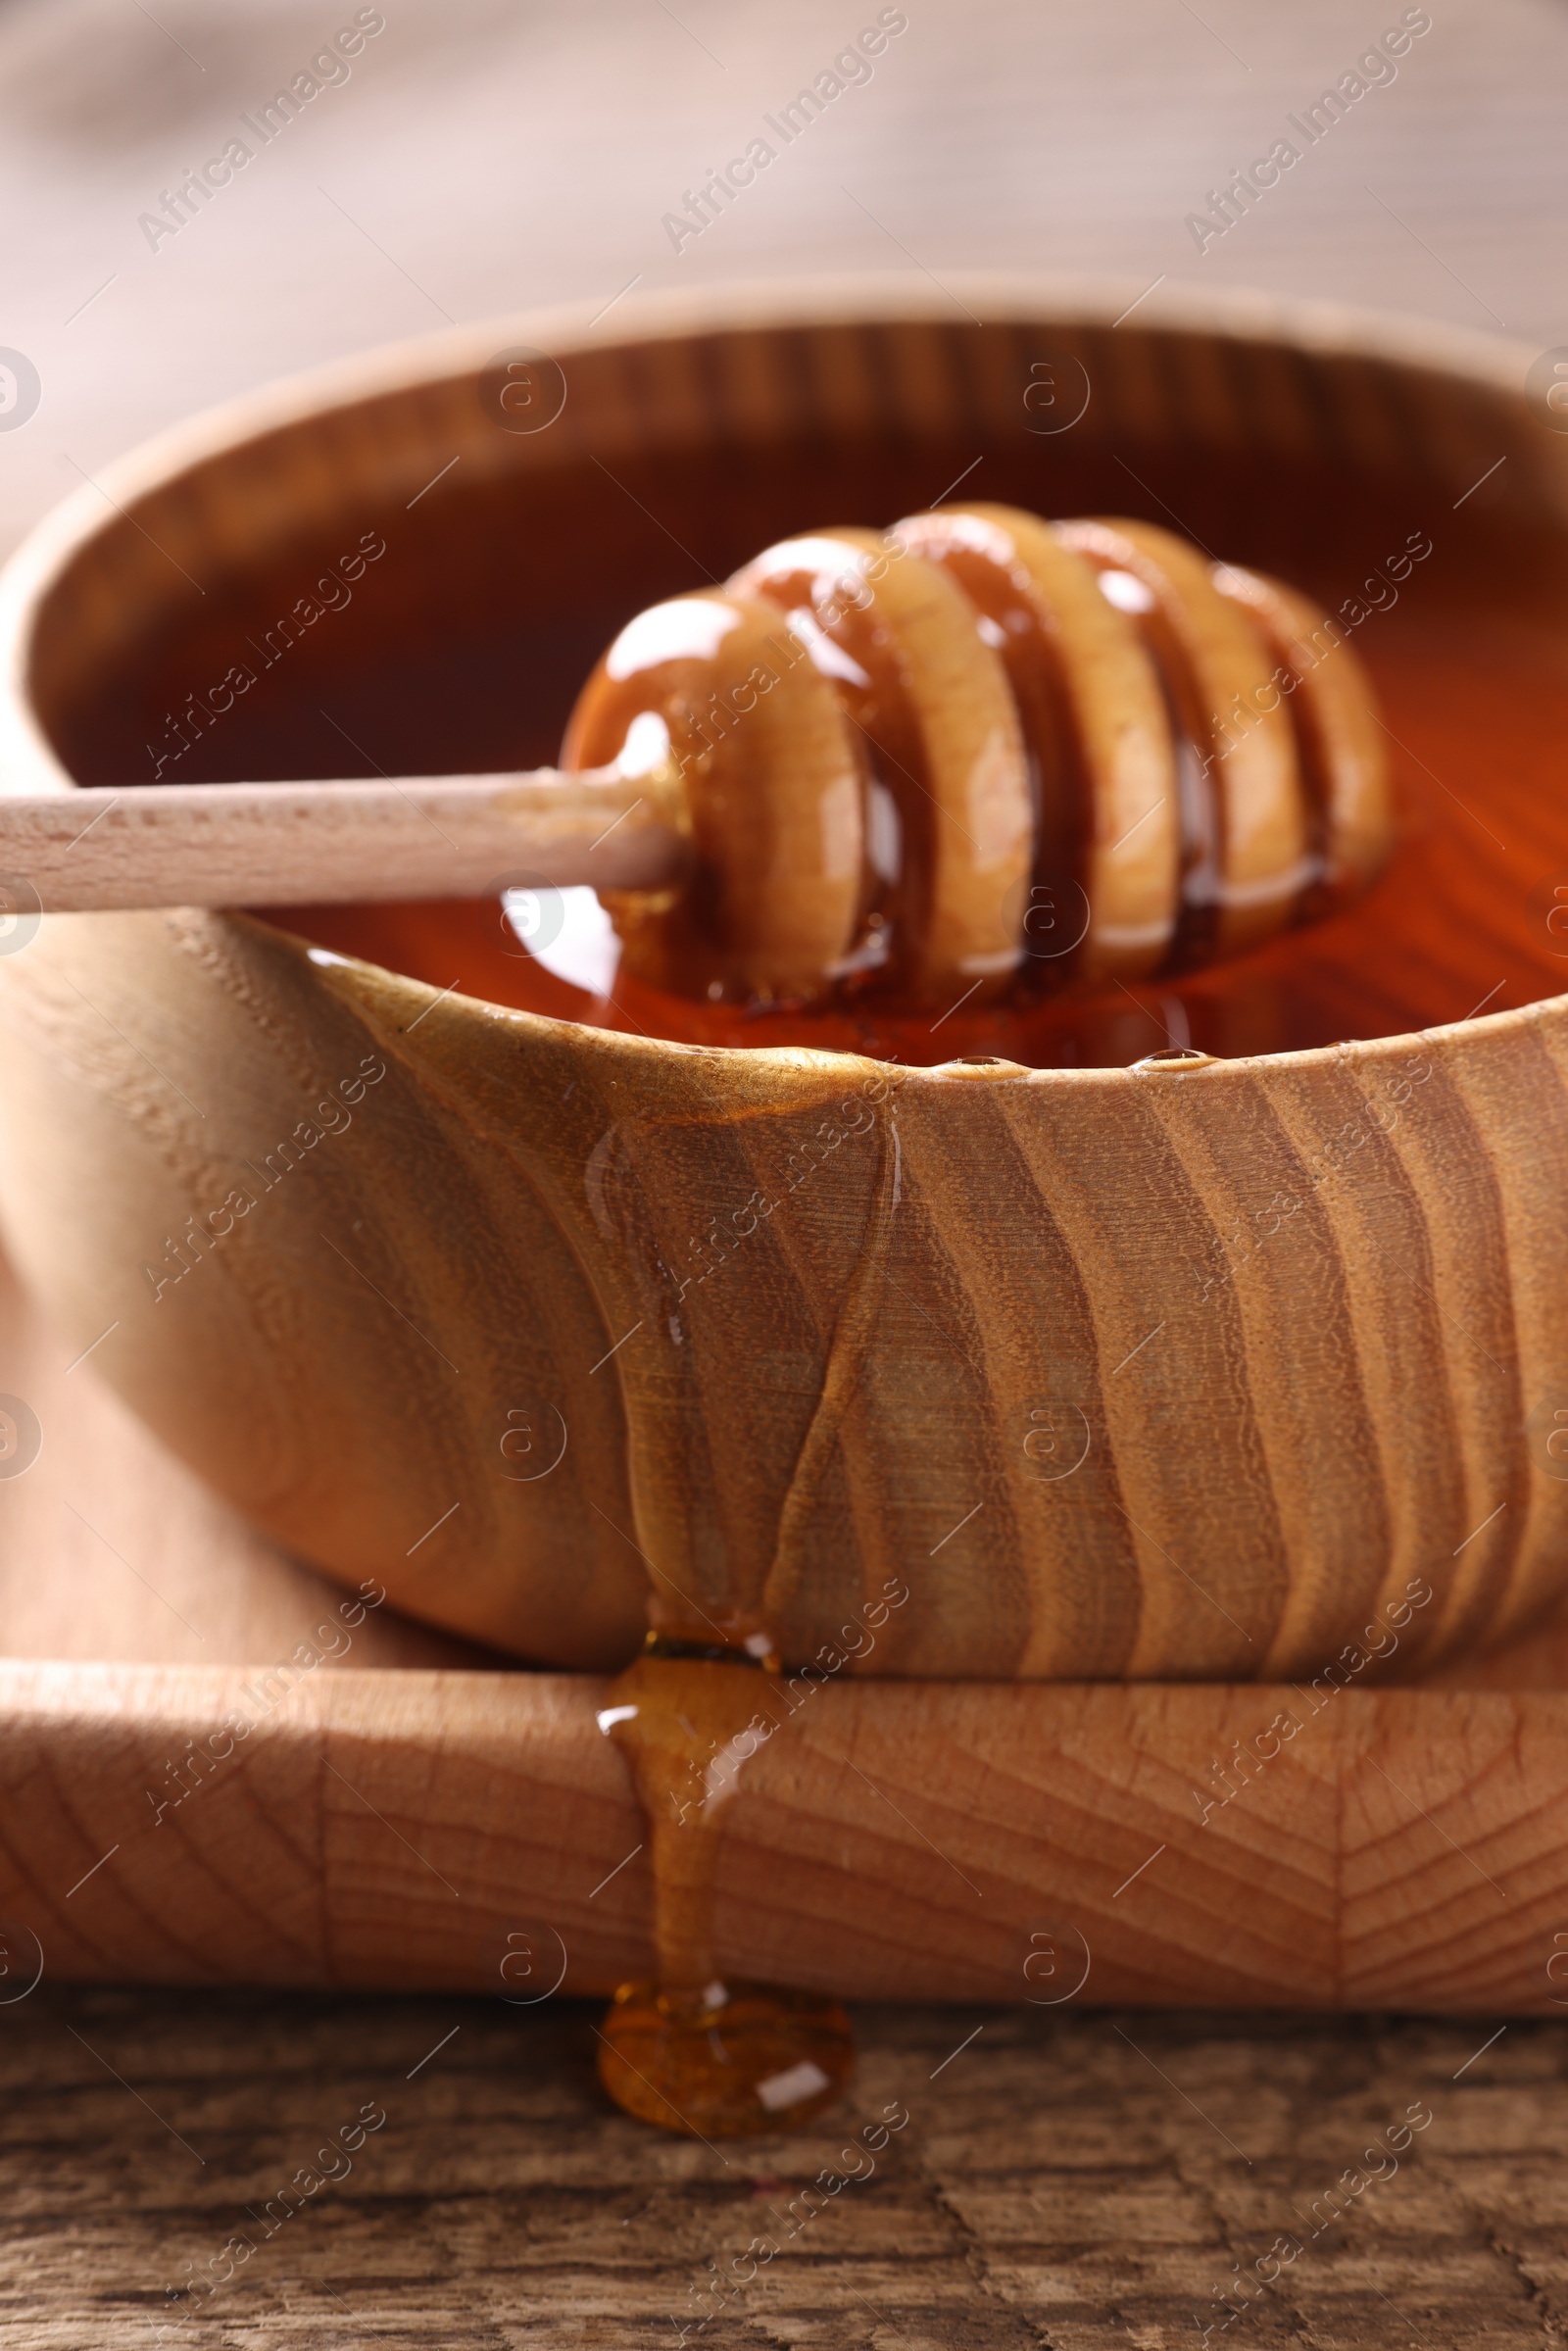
x=1071, y=2183
x=1063, y=2178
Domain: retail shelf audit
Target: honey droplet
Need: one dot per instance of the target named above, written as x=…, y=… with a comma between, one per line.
x=686, y=2050
x=739, y=2060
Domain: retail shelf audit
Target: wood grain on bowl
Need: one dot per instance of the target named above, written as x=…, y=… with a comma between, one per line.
x=216, y=1768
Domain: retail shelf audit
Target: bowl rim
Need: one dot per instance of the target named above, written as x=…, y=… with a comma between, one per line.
x=1492, y=361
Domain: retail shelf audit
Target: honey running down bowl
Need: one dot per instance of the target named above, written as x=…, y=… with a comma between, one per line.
x=1113, y=1365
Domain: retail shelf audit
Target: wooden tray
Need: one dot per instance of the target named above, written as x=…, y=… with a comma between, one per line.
x=410, y=1814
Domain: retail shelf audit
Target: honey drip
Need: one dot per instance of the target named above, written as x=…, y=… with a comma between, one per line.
x=686, y=2049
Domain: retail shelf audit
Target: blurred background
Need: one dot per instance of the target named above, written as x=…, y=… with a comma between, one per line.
x=476, y=158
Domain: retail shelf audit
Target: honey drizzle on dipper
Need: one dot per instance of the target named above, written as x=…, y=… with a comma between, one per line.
x=891, y=747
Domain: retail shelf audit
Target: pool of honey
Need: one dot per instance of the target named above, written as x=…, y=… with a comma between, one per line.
x=1464, y=920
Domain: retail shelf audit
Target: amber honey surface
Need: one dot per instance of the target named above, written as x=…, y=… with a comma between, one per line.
x=1464, y=921
x=463, y=647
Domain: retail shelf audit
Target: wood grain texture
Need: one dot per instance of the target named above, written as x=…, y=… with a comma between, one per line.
x=509, y=1225
x=394, y=1809
x=866, y=1375
x=1068, y=2182
x=404, y=1830
x=320, y=843
x=110, y=1549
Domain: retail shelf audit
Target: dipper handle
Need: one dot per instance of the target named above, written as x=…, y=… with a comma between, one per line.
x=328, y=844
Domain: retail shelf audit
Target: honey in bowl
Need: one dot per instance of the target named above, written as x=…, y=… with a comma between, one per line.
x=1465, y=920
x=1456, y=616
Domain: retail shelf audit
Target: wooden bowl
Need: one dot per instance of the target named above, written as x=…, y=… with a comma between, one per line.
x=1195, y=1368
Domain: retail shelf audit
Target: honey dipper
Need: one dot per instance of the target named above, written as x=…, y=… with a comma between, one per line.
x=975, y=745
